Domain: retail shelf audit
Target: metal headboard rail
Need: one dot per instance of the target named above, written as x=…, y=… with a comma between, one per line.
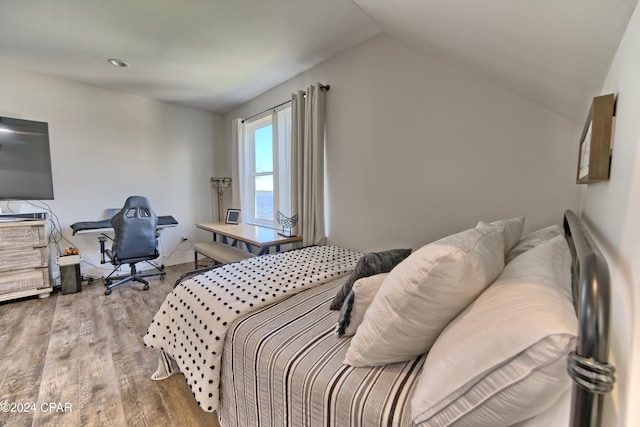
x=588, y=366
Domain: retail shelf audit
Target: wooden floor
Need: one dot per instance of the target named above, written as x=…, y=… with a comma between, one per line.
x=79, y=360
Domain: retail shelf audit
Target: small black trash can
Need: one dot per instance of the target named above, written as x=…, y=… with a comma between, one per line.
x=70, y=277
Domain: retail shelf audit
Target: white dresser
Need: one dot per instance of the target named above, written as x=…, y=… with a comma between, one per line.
x=24, y=260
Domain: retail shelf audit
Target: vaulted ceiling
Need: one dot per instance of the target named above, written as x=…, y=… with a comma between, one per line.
x=216, y=55
x=553, y=52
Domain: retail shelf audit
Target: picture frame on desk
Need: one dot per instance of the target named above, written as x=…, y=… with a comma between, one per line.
x=594, y=156
x=232, y=217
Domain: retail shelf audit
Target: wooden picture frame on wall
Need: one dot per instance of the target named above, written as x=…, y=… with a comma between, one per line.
x=594, y=156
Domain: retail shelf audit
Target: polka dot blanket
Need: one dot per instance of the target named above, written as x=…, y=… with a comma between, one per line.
x=192, y=322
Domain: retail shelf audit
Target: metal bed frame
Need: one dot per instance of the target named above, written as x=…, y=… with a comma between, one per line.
x=587, y=365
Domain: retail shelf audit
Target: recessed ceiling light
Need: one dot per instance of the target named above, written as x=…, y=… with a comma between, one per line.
x=117, y=62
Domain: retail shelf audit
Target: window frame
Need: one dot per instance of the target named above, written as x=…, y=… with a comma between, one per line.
x=280, y=169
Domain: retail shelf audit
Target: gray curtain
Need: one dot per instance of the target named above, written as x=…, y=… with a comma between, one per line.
x=307, y=169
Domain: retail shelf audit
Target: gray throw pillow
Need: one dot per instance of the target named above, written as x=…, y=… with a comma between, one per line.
x=368, y=265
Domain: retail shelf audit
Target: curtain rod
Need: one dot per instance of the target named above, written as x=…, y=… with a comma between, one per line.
x=268, y=109
x=324, y=87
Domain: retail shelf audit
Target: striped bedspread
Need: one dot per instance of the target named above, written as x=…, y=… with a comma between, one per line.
x=192, y=322
x=282, y=366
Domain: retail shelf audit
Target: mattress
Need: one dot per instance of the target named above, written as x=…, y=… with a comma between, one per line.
x=282, y=366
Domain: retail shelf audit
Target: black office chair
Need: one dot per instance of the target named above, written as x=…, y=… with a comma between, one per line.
x=135, y=240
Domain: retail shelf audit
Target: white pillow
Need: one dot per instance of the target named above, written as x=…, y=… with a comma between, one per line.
x=533, y=239
x=559, y=414
x=423, y=293
x=512, y=230
x=504, y=359
x=357, y=302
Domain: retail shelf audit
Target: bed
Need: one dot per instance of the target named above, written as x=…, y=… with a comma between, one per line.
x=259, y=343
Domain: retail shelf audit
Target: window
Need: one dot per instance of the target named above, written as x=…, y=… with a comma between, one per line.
x=267, y=167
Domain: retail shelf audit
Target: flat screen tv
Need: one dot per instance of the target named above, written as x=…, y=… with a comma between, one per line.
x=25, y=160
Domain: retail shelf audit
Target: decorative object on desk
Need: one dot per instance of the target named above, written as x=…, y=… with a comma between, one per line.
x=220, y=185
x=594, y=157
x=233, y=216
x=286, y=222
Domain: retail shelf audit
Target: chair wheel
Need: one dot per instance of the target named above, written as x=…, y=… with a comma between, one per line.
x=146, y=287
x=162, y=277
x=107, y=292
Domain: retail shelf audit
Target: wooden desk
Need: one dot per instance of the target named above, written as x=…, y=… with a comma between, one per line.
x=256, y=238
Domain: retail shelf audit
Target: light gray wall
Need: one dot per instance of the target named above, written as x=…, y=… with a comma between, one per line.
x=612, y=210
x=418, y=148
x=106, y=146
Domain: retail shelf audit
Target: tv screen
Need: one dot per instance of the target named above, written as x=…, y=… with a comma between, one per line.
x=25, y=160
